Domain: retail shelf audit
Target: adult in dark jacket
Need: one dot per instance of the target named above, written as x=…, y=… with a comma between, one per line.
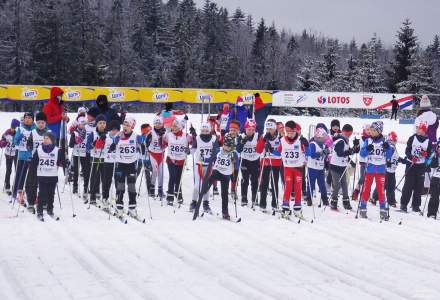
x=240, y=113
x=54, y=110
x=109, y=113
x=262, y=111
x=394, y=108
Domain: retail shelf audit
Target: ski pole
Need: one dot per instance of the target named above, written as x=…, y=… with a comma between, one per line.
x=312, y=194
x=355, y=171
x=360, y=195
x=259, y=180
x=71, y=200
x=274, y=186
x=59, y=198
x=22, y=192
x=427, y=196
x=23, y=169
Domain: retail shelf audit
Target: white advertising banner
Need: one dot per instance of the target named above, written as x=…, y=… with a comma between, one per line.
x=339, y=100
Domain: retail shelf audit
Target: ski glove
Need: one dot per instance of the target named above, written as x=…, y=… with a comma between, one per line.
x=326, y=151
x=268, y=147
x=385, y=146
x=356, y=142
x=192, y=131
x=389, y=164
x=112, y=147
x=370, y=147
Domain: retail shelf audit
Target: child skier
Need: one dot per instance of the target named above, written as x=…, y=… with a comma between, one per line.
x=90, y=128
x=24, y=154
x=78, y=144
x=234, y=131
x=377, y=151
x=338, y=163
x=109, y=162
x=362, y=163
x=435, y=184
x=144, y=163
x=34, y=141
x=270, y=164
x=223, y=164
x=292, y=151
x=203, y=146
x=178, y=148
x=250, y=161
x=316, y=154
x=10, y=153
x=156, y=152
x=125, y=145
x=96, y=147
x=47, y=158
x=418, y=148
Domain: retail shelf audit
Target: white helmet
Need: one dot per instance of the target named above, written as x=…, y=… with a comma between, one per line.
x=157, y=120
x=82, y=121
x=82, y=110
x=131, y=121
x=205, y=128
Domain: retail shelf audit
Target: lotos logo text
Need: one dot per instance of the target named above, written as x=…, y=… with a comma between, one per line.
x=74, y=95
x=329, y=100
x=249, y=98
x=117, y=95
x=160, y=96
x=29, y=94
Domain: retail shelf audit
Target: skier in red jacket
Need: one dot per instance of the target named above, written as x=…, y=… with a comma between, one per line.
x=54, y=110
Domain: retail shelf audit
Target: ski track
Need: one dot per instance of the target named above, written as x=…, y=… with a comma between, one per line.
x=337, y=257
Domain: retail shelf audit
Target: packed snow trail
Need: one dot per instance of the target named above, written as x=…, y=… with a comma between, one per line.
x=263, y=257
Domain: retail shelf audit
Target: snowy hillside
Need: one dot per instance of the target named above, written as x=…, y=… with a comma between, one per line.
x=172, y=257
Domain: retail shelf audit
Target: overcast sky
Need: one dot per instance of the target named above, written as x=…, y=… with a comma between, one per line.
x=345, y=19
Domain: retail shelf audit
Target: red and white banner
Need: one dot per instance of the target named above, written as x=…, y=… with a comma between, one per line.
x=339, y=100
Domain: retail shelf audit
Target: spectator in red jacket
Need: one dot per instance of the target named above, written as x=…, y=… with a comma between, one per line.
x=54, y=110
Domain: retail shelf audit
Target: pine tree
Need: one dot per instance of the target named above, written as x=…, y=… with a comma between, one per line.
x=45, y=43
x=420, y=79
x=433, y=57
x=258, y=56
x=307, y=79
x=371, y=75
x=274, y=59
x=404, y=51
x=350, y=78
x=327, y=67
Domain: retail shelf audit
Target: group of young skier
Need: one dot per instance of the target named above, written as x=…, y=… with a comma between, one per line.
x=103, y=159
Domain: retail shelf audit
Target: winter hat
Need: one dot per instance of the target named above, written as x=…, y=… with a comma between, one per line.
x=225, y=108
x=320, y=133
x=335, y=123
x=423, y=126
x=239, y=101
x=298, y=127
x=378, y=126
x=102, y=101
x=179, y=123
x=28, y=114
x=113, y=124
x=157, y=120
x=94, y=111
x=271, y=124
x=347, y=128
x=40, y=116
x=392, y=136
x=290, y=126
x=250, y=124
x=322, y=125
x=228, y=140
x=425, y=103
x=82, y=121
x=100, y=118
x=50, y=135
x=82, y=110
x=130, y=121
x=205, y=127
x=15, y=123
x=145, y=128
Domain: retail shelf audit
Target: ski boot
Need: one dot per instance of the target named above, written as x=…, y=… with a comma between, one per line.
x=355, y=196
x=309, y=201
x=75, y=189
x=334, y=204
x=8, y=190
x=285, y=213
x=346, y=204
x=160, y=193
x=363, y=213
x=93, y=200
x=404, y=209
x=393, y=204
x=170, y=200
x=85, y=198
x=105, y=205
x=297, y=212
x=416, y=209
x=31, y=209
x=325, y=201
x=263, y=209
x=384, y=215
x=215, y=190
x=151, y=193
x=226, y=216
x=206, y=208
x=40, y=217
x=244, y=202
x=132, y=212
x=192, y=206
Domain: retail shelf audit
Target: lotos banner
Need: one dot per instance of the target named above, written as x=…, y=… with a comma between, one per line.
x=340, y=100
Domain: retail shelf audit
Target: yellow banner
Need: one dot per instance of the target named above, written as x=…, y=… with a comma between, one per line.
x=132, y=95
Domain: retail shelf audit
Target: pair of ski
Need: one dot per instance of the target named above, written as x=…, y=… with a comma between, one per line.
x=121, y=217
x=52, y=216
x=287, y=215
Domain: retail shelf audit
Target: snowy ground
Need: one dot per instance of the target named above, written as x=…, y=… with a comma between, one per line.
x=169, y=257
